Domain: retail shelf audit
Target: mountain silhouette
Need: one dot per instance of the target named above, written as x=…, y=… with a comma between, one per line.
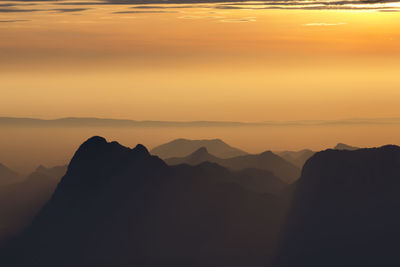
x=184, y=147
x=118, y=206
x=8, y=176
x=268, y=161
x=20, y=201
x=297, y=158
x=341, y=146
x=345, y=210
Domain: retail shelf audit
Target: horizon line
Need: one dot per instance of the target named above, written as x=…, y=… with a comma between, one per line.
x=113, y=122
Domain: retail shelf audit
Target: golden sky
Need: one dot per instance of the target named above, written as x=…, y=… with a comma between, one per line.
x=199, y=61
x=184, y=60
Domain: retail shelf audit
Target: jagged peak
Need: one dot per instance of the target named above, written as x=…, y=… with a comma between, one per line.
x=141, y=149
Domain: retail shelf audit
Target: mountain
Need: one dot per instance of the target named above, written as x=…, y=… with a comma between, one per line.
x=341, y=146
x=8, y=176
x=258, y=180
x=20, y=201
x=265, y=161
x=297, y=158
x=118, y=206
x=184, y=147
x=345, y=210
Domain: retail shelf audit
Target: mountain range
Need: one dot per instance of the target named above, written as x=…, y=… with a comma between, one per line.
x=118, y=206
x=184, y=147
x=265, y=161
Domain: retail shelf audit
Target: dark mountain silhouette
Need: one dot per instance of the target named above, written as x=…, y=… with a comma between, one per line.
x=297, y=158
x=345, y=210
x=258, y=180
x=8, y=176
x=265, y=161
x=184, y=147
x=20, y=201
x=341, y=146
x=124, y=207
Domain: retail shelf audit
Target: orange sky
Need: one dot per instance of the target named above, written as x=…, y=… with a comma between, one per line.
x=204, y=62
x=200, y=64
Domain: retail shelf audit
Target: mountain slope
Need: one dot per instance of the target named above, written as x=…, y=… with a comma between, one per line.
x=184, y=147
x=297, y=158
x=265, y=161
x=345, y=210
x=19, y=202
x=123, y=207
x=8, y=176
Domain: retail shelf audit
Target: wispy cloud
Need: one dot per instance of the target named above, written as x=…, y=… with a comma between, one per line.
x=324, y=24
x=236, y=20
x=373, y=5
x=13, y=20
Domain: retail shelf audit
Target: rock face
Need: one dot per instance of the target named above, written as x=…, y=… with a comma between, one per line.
x=124, y=207
x=345, y=210
x=184, y=147
x=267, y=160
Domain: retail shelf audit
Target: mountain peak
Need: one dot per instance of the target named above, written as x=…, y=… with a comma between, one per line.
x=342, y=146
x=141, y=149
x=202, y=150
x=95, y=140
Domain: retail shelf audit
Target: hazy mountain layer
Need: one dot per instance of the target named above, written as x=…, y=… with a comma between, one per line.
x=8, y=176
x=264, y=161
x=341, y=146
x=184, y=147
x=297, y=158
x=20, y=201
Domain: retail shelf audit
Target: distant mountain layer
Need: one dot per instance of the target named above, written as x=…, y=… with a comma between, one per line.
x=297, y=158
x=124, y=207
x=341, y=146
x=8, y=176
x=265, y=161
x=184, y=147
x=100, y=122
x=344, y=210
x=20, y=201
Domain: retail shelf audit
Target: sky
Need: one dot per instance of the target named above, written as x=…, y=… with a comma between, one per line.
x=189, y=60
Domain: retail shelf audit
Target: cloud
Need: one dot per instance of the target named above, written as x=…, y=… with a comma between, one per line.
x=374, y=5
x=246, y=19
x=14, y=10
x=64, y=10
x=324, y=24
x=13, y=20
x=143, y=12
